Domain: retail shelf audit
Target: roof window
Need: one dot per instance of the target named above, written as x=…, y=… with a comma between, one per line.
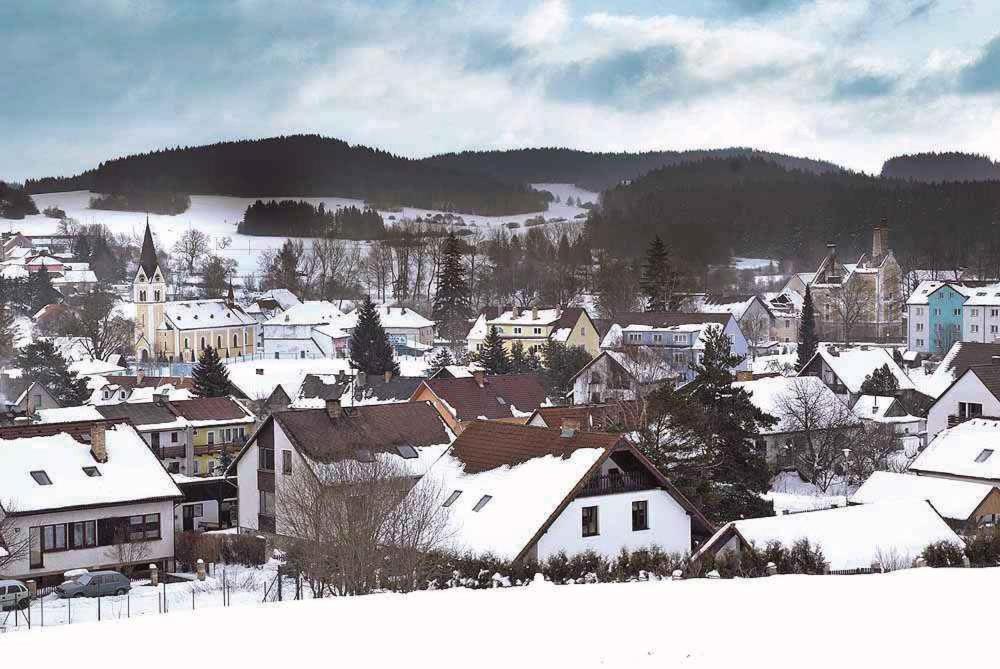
x=41, y=478
x=92, y=472
x=984, y=455
x=451, y=498
x=364, y=455
x=406, y=451
x=483, y=501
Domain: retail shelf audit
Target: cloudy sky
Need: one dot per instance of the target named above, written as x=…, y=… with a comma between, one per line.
x=852, y=81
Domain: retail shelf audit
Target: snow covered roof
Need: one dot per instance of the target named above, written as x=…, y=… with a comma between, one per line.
x=67, y=415
x=959, y=358
x=922, y=292
x=851, y=537
x=505, y=396
x=310, y=312
x=479, y=329
x=202, y=314
x=76, y=276
x=985, y=295
x=784, y=301
x=527, y=317
x=770, y=394
x=956, y=500
x=970, y=450
x=132, y=473
x=852, y=364
x=736, y=305
x=873, y=407
x=402, y=318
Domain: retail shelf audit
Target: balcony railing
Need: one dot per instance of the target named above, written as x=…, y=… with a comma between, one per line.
x=616, y=483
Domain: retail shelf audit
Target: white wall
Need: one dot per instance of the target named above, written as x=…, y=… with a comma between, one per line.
x=210, y=514
x=967, y=389
x=918, y=313
x=247, y=494
x=100, y=556
x=669, y=526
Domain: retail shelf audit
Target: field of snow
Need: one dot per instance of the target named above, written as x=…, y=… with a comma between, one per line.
x=871, y=620
x=218, y=217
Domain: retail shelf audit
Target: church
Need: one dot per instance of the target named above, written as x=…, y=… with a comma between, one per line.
x=179, y=331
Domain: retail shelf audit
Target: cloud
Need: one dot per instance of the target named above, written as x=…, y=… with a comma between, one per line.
x=863, y=86
x=983, y=75
x=618, y=79
x=543, y=24
x=763, y=6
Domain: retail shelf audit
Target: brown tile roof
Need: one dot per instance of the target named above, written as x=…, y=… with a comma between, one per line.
x=990, y=376
x=209, y=408
x=494, y=400
x=970, y=354
x=568, y=318
x=668, y=319
x=486, y=445
x=611, y=417
x=377, y=427
x=151, y=381
x=79, y=430
x=138, y=413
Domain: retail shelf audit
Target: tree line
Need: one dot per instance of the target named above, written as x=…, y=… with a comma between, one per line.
x=153, y=202
x=946, y=166
x=15, y=202
x=290, y=218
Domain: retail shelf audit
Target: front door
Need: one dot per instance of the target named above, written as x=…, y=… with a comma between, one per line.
x=188, y=518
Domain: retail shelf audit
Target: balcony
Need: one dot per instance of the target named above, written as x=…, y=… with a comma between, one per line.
x=265, y=480
x=617, y=483
x=171, y=452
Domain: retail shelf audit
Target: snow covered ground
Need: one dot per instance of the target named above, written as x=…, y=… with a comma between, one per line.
x=871, y=620
x=218, y=217
x=791, y=493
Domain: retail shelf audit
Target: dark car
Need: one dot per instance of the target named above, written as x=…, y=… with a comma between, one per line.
x=95, y=584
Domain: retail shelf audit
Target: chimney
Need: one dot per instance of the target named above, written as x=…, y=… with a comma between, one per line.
x=160, y=398
x=479, y=374
x=361, y=378
x=880, y=239
x=260, y=371
x=97, y=444
x=139, y=375
x=388, y=375
x=569, y=428
x=333, y=409
x=534, y=313
x=517, y=312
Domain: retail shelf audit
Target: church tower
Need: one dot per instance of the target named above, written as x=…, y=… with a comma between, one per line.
x=149, y=293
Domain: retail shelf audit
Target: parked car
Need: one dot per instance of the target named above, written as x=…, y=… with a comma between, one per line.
x=14, y=595
x=95, y=584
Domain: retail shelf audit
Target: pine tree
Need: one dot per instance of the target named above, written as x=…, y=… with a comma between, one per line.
x=452, y=306
x=808, y=341
x=659, y=278
x=561, y=365
x=210, y=376
x=882, y=382
x=6, y=331
x=522, y=361
x=371, y=351
x=42, y=363
x=493, y=356
x=41, y=291
x=441, y=359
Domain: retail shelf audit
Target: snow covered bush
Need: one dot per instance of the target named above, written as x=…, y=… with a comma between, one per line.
x=983, y=548
x=943, y=554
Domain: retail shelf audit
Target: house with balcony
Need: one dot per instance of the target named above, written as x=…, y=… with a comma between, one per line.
x=410, y=434
x=528, y=493
x=533, y=327
x=84, y=495
x=974, y=394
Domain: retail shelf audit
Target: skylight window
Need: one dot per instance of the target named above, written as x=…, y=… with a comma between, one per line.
x=984, y=455
x=92, y=472
x=451, y=498
x=41, y=478
x=407, y=452
x=483, y=501
x=364, y=455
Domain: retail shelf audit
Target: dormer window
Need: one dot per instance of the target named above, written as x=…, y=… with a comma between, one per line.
x=42, y=478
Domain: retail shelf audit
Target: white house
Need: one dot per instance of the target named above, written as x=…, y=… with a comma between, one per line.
x=966, y=452
x=87, y=495
x=975, y=393
x=522, y=492
x=404, y=327
x=623, y=375
x=963, y=504
x=305, y=330
x=845, y=368
x=911, y=430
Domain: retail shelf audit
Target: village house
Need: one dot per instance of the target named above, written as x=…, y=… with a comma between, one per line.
x=910, y=430
x=306, y=330
x=533, y=327
x=845, y=368
x=210, y=503
x=875, y=275
x=753, y=316
x=268, y=305
x=786, y=310
x=934, y=316
x=509, y=397
x=181, y=330
x=976, y=393
x=965, y=452
x=628, y=374
x=965, y=505
x=623, y=416
x=520, y=492
x=86, y=495
x=361, y=388
x=139, y=388
x=411, y=433
x=935, y=378
x=407, y=330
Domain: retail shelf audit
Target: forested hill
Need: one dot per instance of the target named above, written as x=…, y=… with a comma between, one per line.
x=932, y=167
x=712, y=209
x=598, y=171
x=302, y=166
x=15, y=202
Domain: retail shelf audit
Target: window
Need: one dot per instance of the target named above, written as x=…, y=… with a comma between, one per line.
x=92, y=471
x=197, y=467
x=634, y=337
x=483, y=501
x=174, y=467
x=920, y=342
x=267, y=503
x=984, y=455
x=202, y=344
x=83, y=535
x=969, y=409
x=640, y=516
x=286, y=462
x=266, y=459
x=142, y=296
x=198, y=511
x=218, y=342
x=975, y=312
x=920, y=311
x=156, y=295
x=680, y=339
x=517, y=330
x=993, y=329
x=788, y=323
x=407, y=452
x=956, y=312
x=173, y=437
x=538, y=331
x=187, y=343
x=920, y=327
x=302, y=355
x=994, y=313
x=211, y=437
x=41, y=478
x=973, y=328
x=236, y=341
x=590, y=528
x=54, y=538
x=451, y=498
x=657, y=338
x=937, y=312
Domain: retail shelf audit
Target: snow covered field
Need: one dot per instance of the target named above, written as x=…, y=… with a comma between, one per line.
x=872, y=620
x=218, y=217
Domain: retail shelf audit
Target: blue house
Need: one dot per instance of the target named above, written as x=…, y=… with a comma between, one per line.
x=934, y=312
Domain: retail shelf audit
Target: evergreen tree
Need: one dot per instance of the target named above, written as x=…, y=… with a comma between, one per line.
x=441, y=359
x=659, y=278
x=6, y=332
x=452, y=306
x=371, y=351
x=41, y=291
x=493, y=356
x=522, y=361
x=210, y=376
x=881, y=382
x=808, y=341
x=561, y=365
x=42, y=363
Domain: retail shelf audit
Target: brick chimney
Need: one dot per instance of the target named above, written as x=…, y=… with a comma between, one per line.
x=479, y=375
x=880, y=240
x=333, y=409
x=98, y=446
x=534, y=313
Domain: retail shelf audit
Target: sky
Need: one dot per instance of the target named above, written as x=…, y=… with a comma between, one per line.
x=851, y=81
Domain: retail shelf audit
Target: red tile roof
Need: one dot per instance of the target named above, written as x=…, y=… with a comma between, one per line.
x=494, y=399
x=612, y=417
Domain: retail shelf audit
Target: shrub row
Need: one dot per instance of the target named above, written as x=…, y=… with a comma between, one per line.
x=981, y=549
x=246, y=549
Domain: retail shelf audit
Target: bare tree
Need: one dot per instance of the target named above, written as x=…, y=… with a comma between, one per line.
x=824, y=427
x=14, y=541
x=101, y=330
x=757, y=329
x=190, y=247
x=378, y=269
x=852, y=303
x=877, y=448
x=128, y=554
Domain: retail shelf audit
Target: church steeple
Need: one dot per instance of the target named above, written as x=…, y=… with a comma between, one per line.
x=147, y=259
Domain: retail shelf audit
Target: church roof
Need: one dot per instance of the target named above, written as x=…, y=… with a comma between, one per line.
x=147, y=260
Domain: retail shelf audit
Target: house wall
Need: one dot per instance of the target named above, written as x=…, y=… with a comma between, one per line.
x=918, y=332
x=669, y=526
x=967, y=389
x=944, y=319
x=207, y=455
x=185, y=345
x=210, y=514
x=981, y=323
x=584, y=334
x=100, y=556
x=247, y=494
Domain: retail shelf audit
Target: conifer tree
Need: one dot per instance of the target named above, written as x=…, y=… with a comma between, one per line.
x=41, y=291
x=659, y=278
x=808, y=341
x=371, y=351
x=882, y=382
x=452, y=306
x=6, y=331
x=493, y=356
x=42, y=363
x=210, y=376
x=441, y=359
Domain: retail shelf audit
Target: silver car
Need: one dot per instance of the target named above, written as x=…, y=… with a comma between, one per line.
x=95, y=584
x=14, y=595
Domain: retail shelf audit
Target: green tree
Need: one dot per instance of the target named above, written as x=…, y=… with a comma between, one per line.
x=561, y=364
x=523, y=361
x=6, y=332
x=441, y=359
x=659, y=278
x=41, y=291
x=42, y=363
x=493, y=356
x=371, y=351
x=452, y=305
x=881, y=382
x=808, y=341
x=210, y=376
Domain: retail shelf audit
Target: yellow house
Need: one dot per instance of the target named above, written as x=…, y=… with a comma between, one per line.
x=534, y=327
